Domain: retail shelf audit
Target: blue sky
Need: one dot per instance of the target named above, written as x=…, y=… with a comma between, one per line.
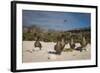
x=56, y=20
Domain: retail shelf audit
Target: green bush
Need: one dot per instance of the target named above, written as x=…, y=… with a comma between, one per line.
x=53, y=36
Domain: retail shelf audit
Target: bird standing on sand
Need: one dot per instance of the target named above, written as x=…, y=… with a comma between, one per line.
x=37, y=43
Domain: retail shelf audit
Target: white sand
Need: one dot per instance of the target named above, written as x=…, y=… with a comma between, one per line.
x=31, y=54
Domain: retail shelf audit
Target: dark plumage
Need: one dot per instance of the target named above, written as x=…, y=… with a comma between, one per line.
x=58, y=48
x=38, y=44
x=79, y=49
x=72, y=46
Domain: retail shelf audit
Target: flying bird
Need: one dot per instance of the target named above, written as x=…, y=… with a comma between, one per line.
x=65, y=20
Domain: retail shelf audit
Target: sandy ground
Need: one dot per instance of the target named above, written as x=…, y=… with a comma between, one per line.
x=31, y=54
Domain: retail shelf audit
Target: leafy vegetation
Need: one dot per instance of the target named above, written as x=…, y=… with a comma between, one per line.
x=78, y=35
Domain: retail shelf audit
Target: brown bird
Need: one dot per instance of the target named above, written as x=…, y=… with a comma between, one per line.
x=37, y=43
